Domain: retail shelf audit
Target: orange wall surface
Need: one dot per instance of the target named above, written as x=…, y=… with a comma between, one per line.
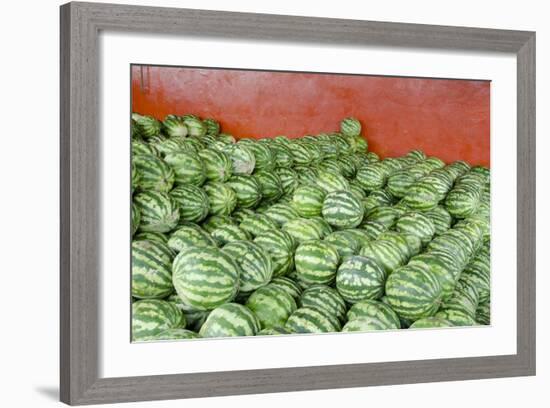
x=445, y=118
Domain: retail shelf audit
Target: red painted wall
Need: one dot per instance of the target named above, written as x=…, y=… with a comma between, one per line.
x=446, y=118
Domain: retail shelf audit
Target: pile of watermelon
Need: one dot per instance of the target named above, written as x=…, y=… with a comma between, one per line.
x=314, y=234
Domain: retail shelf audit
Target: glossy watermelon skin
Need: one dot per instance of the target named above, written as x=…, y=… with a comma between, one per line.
x=280, y=246
x=228, y=233
x=150, y=317
x=350, y=127
x=205, y=278
x=230, y=320
x=325, y=299
x=153, y=173
x=151, y=270
x=417, y=224
x=221, y=197
x=386, y=254
x=307, y=200
x=342, y=209
x=413, y=292
x=187, y=166
x=290, y=286
x=359, y=278
x=272, y=305
x=189, y=236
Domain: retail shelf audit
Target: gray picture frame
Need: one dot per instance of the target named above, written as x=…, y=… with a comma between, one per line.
x=80, y=237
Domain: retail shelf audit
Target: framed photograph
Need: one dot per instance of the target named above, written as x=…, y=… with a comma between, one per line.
x=261, y=203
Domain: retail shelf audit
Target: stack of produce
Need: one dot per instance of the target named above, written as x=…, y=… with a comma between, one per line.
x=308, y=235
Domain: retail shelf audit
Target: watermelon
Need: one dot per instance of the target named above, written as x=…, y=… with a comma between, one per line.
x=194, y=317
x=290, y=286
x=399, y=240
x=316, y=262
x=135, y=218
x=417, y=224
x=331, y=182
x=151, y=270
x=384, y=214
x=188, y=168
x=282, y=155
x=359, y=278
x=347, y=167
x=257, y=224
x=212, y=126
x=140, y=148
x=148, y=126
x=221, y=197
x=288, y=178
x=342, y=209
x=174, y=126
x=350, y=127
x=374, y=309
x=189, y=236
x=229, y=233
x=280, y=247
x=300, y=153
x=205, y=277
x=372, y=157
x=365, y=324
x=413, y=292
x=153, y=173
x=386, y=254
x=325, y=299
x=270, y=184
x=399, y=182
x=217, y=165
x=456, y=317
x=216, y=221
x=302, y=229
x=194, y=125
x=308, y=200
x=330, y=166
x=176, y=334
x=440, y=218
x=159, y=211
x=151, y=236
x=463, y=200
x=273, y=331
x=172, y=145
x=437, y=266
x=263, y=155
x=230, y=320
x=242, y=159
x=421, y=197
x=464, y=299
x=255, y=264
x=192, y=201
x=372, y=229
x=281, y=213
x=153, y=316
x=430, y=322
x=345, y=242
x=372, y=176
x=248, y=190
x=272, y=305
x=309, y=320
x=483, y=313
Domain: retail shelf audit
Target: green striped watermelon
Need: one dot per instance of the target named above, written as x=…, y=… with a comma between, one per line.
x=282, y=154
x=386, y=254
x=242, y=159
x=413, y=292
x=217, y=165
x=135, y=218
x=216, y=221
x=257, y=224
x=331, y=182
x=289, y=180
x=148, y=126
x=194, y=125
x=302, y=229
x=273, y=331
x=247, y=190
x=221, y=197
x=212, y=126
x=300, y=153
x=140, y=148
x=456, y=317
x=359, y=278
x=342, y=209
x=176, y=334
x=372, y=176
x=229, y=233
x=440, y=218
x=159, y=212
x=174, y=126
x=192, y=201
x=400, y=241
x=254, y=262
x=350, y=127
x=372, y=229
x=230, y=320
x=205, y=277
x=272, y=305
x=309, y=320
x=154, y=174
x=189, y=236
x=316, y=262
x=375, y=309
x=417, y=224
x=345, y=242
x=365, y=324
x=325, y=299
x=483, y=313
x=431, y=322
x=151, y=270
x=421, y=197
x=437, y=266
x=384, y=214
x=153, y=316
x=151, y=236
x=280, y=247
x=270, y=184
x=193, y=316
x=281, y=213
x=308, y=200
x=188, y=168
